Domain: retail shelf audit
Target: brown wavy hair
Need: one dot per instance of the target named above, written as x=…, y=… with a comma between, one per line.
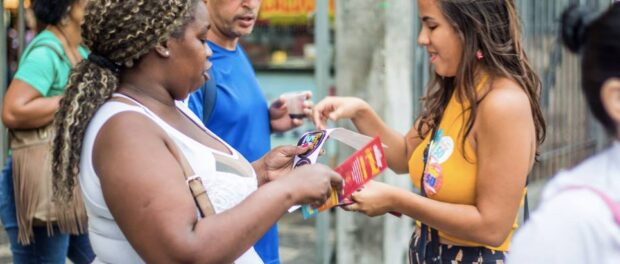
x=493, y=27
x=122, y=32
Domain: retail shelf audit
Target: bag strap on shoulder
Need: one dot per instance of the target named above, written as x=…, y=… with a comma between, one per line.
x=193, y=181
x=613, y=206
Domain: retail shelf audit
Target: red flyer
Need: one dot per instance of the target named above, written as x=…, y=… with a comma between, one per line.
x=357, y=170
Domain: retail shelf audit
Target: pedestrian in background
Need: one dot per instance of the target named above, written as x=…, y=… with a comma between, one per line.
x=578, y=220
x=38, y=231
x=237, y=110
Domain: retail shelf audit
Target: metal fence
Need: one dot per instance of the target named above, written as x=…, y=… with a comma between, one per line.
x=572, y=134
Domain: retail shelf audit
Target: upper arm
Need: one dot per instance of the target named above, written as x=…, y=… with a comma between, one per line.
x=38, y=69
x=18, y=94
x=144, y=187
x=505, y=148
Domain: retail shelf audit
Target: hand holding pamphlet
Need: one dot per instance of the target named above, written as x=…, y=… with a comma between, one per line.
x=361, y=167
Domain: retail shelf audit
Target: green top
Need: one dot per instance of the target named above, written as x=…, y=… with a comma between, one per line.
x=44, y=69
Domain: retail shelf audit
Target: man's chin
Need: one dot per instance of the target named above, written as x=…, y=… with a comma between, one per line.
x=244, y=31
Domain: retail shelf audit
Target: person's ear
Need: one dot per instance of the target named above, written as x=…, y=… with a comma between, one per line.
x=610, y=96
x=162, y=50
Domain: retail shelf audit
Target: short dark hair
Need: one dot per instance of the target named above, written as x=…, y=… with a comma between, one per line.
x=597, y=39
x=51, y=12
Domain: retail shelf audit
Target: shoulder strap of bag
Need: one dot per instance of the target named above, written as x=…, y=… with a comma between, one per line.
x=208, y=98
x=613, y=206
x=51, y=47
x=193, y=181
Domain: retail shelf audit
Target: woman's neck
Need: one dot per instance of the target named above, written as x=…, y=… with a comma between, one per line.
x=147, y=92
x=70, y=33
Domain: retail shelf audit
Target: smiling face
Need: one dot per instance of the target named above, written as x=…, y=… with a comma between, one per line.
x=233, y=18
x=189, y=54
x=440, y=38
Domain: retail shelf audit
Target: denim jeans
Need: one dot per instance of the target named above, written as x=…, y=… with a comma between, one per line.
x=43, y=248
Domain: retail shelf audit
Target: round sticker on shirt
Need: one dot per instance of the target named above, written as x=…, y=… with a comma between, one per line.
x=442, y=150
x=433, y=179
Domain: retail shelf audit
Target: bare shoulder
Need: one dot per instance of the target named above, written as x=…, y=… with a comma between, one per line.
x=127, y=136
x=506, y=99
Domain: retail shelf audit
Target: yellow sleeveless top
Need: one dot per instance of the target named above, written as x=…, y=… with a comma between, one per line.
x=451, y=176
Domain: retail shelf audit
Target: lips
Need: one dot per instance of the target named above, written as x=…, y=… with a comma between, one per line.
x=247, y=20
x=433, y=56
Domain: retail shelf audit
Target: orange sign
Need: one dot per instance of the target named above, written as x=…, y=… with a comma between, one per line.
x=291, y=10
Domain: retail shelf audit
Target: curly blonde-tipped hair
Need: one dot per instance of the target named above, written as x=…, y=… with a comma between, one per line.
x=122, y=32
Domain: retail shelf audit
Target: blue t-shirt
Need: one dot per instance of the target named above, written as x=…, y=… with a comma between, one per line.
x=241, y=118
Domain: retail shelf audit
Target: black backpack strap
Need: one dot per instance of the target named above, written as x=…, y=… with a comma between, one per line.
x=209, y=95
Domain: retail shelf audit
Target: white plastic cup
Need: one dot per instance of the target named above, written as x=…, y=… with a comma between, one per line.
x=295, y=104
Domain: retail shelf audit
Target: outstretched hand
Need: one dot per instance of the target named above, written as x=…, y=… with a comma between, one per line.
x=335, y=108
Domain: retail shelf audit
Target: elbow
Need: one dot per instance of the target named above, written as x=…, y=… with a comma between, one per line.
x=493, y=237
x=194, y=251
x=9, y=119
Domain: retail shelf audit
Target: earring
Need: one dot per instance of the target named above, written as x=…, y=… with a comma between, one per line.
x=479, y=55
x=167, y=53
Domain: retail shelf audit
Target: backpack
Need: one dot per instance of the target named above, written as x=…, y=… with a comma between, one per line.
x=209, y=94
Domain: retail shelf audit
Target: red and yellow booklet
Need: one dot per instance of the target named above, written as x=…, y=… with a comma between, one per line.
x=357, y=170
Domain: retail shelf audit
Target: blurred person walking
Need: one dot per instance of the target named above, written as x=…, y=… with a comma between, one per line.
x=38, y=230
x=578, y=220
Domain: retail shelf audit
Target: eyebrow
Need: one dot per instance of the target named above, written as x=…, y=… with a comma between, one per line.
x=428, y=19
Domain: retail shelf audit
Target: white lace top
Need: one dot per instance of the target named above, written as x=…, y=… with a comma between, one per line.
x=226, y=185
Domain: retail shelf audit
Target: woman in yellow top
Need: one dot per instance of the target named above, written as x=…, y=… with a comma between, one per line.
x=482, y=108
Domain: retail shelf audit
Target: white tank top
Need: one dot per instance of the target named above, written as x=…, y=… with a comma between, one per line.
x=226, y=187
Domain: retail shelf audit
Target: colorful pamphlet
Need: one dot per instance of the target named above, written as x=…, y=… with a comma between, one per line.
x=357, y=170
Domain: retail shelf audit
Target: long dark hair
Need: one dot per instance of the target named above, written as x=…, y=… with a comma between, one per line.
x=492, y=27
x=598, y=39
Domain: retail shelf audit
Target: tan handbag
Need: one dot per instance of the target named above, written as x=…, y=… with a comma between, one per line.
x=32, y=182
x=32, y=174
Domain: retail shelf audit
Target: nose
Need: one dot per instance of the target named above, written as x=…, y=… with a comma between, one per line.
x=423, y=39
x=251, y=4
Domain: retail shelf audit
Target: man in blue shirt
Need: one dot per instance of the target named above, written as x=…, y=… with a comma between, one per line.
x=240, y=114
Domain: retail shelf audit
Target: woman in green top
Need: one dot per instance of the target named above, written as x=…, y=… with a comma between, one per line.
x=30, y=103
